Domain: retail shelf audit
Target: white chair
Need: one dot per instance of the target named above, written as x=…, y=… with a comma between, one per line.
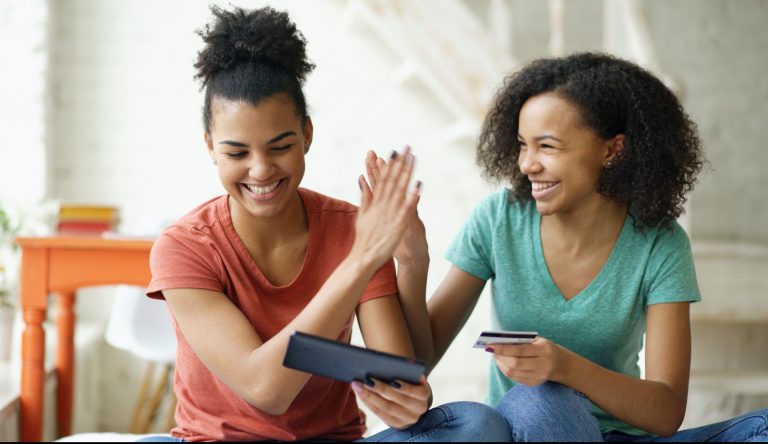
x=142, y=326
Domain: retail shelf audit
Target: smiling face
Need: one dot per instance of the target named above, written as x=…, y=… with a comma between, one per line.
x=561, y=157
x=259, y=151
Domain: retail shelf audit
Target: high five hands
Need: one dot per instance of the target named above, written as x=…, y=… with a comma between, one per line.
x=413, y=245
x=382, y=218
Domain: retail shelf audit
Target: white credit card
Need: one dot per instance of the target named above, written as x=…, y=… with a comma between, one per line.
x=489, y=337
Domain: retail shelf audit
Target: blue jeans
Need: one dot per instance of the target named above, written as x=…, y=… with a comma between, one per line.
x=751, y=427
x=553, y=412
x=456, y=421
x=549, y=412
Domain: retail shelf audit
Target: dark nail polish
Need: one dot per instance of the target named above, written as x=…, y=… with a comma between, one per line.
x=360, y=184
x=395, y=384
x=489, y=350
x=370, y=382
x=393, y=156
x=418, y=184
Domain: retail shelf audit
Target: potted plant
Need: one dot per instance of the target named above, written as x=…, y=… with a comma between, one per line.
x=8, y=231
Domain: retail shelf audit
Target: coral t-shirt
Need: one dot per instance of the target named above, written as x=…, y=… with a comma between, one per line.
x=203, y=251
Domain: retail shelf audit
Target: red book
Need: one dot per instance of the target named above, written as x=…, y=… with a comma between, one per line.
x=84, y=227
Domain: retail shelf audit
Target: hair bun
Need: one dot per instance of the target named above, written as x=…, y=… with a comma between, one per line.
x=261, y=36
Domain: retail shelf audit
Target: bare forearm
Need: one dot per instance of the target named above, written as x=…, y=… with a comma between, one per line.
x=412, y=287
x=651, y=406
x=326, y=315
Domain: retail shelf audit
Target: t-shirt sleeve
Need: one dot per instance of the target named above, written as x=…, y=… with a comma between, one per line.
x=180, y=259
x=471, y=248
x=672, y=272
x=383, y=283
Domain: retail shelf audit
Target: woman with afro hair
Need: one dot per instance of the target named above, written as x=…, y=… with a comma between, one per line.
x=242, y=271
x=583, y=248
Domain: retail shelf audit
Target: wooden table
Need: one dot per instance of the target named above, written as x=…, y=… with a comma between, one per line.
x=61, y=265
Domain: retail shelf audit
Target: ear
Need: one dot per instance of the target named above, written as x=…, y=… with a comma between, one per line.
x=309, y=131
x=614, y=147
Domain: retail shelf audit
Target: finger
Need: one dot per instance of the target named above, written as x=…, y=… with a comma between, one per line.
x=372, y=168
x=393, y=171
x=391, y=413
x=367, y=194
x=524, y=364
x=516, y=350
x=419, y=392
x=405, y=177
x=398, y=396
x=412, y=201
x=509, y=370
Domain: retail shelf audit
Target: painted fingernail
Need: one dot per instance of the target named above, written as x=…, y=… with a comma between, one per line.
x=393, y=156
x=360, y=184
x=409, y=158
x=395, y=384
x=370, y=382
x=357, y=387
x=418, y=184
x=489, y=350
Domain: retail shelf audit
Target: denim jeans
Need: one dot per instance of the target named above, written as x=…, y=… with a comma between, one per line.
x=751, y=427
x=553, y=412
x=456, y=421
x=549, y=412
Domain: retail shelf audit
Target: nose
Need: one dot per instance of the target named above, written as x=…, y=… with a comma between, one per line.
x=261, y=168
x=528, y=162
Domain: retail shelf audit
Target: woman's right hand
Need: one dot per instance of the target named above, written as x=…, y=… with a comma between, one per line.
x=382, y=218
x=413, y=248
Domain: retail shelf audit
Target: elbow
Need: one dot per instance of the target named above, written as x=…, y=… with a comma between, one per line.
x=268, y=401
x=671, y=424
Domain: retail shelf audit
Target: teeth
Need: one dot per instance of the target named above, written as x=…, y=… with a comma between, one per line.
x=538, y=186
x=262, y=190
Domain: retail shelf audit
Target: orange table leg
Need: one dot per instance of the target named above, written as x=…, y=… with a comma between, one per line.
x=32, y=375
x=34, y=301
x=65, y=365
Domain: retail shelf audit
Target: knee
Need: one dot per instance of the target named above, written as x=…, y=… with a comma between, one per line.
x=549, y=412
x=525, y=400
x=477, y=422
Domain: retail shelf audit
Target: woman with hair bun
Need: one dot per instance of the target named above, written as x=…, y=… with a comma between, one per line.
x=242, y=271
x=584, y=249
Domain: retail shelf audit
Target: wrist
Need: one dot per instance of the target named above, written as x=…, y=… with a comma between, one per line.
x=361, y=262
x=565, y=364
x=418, y=263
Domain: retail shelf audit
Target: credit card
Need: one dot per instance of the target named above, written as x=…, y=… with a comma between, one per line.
x=489, y=337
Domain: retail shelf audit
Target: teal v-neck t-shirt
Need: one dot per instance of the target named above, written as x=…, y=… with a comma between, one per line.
x=605, y=322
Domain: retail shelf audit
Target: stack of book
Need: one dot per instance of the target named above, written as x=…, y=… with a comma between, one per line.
x=87, y=219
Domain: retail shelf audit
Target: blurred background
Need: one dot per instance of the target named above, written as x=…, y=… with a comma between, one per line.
x=99, y=107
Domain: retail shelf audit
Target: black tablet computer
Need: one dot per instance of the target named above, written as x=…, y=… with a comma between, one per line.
x=347, y=363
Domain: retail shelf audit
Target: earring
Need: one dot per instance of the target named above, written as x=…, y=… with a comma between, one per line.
x=214, y=162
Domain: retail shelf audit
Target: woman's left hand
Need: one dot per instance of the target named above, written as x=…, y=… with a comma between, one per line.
x=529, y=364
x=400, y=407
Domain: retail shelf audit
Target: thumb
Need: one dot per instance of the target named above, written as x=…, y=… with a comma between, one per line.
x=365, y=190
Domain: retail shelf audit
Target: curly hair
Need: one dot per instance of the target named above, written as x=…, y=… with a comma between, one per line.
x=662, y=153
x=252, y=55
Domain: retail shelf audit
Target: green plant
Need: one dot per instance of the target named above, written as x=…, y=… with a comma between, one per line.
x=9, y=228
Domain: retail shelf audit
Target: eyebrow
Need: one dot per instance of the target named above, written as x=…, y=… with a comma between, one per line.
x=542, y=137
x=272, y=140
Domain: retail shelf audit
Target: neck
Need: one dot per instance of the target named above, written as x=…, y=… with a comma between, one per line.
x=586, y=227
x=266, y=233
